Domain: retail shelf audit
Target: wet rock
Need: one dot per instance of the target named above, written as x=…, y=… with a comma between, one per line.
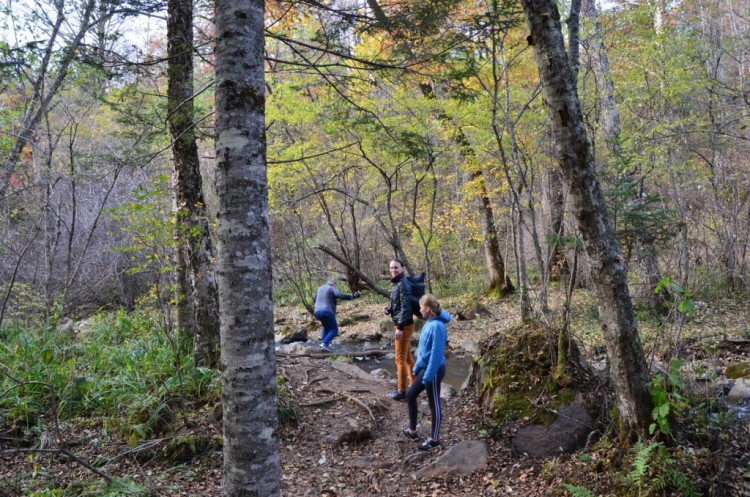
x=298, y=348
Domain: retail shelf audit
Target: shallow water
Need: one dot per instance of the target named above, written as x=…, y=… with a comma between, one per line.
x=456, y=365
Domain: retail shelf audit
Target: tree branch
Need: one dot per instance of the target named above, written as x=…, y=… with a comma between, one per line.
x=374, y=286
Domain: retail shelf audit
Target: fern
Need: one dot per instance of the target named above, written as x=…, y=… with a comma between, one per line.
x=641, y=462
x=681, y=482
x=576, y=491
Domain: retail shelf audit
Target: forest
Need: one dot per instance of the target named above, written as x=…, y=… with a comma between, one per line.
x=177, y=178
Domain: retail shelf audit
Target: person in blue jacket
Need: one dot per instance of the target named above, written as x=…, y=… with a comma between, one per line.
x=429, y=370
x=325, y=310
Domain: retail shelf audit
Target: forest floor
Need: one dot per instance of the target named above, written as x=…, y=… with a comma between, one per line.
x=347, y=440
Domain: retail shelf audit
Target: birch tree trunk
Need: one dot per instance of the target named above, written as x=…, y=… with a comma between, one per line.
x=248, y=361
x=628, y=364
x=192, y=216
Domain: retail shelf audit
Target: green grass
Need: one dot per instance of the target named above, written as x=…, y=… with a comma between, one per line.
x=125, y=369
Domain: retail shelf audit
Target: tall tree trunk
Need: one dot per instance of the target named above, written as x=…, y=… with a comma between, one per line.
x=499, y=282
x=248, y=359
x=553, y=198
x=647, y=263
x=629, y=369
x=191, y=212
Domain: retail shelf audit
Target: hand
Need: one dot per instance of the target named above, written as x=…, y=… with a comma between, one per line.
x=399, y=334
x=387, y=310
x=357, y=295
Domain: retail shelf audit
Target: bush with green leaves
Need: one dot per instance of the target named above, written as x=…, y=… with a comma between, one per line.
x=125, y=368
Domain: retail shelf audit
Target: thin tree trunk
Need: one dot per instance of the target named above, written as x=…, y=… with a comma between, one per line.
x=248, y=359
x=645, y=251
x=629, y=369
x=42, y=90
x=191, y=212
x=499, y=282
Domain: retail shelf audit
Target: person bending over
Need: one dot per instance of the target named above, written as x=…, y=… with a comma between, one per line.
x=325, y=310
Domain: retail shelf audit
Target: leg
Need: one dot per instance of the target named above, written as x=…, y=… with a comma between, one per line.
x=403, y=358
x=408, y=331
x=330, y=327
x=433, y=398
x=411, y=400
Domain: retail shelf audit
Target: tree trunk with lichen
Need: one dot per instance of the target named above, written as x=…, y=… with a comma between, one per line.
x=629, y=369
x=198, y=281
x=248, y=358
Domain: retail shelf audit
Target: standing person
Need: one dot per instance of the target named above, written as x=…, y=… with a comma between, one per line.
x=325, y=310
x=429, y=370
x=400, y=311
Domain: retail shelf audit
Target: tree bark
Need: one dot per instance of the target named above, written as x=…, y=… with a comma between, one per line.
x=248, y=360
x=629, y=369
x=500, y=283
x=191, y=212
x=647, y=263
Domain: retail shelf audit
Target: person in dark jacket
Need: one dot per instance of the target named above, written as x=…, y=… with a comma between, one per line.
x=325, y=310
x=429, y=370
x=400, y=311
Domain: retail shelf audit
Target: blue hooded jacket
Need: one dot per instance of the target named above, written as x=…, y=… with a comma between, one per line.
x=431, y=348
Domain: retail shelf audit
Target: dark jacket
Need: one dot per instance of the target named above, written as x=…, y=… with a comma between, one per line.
x=400, y=306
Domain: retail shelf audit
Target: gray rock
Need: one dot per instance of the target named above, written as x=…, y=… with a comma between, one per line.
x=470, y=346
x=381, y=373
x=460, y=460
x=740, y=391
x=567, y=433
x=447, y=391
x=298, y=348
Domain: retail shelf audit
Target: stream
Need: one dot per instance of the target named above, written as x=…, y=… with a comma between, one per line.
x=457, y=364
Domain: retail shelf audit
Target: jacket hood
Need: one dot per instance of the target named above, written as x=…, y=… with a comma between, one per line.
x=443, y=316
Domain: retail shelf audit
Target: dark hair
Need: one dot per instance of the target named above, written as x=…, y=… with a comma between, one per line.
x=400, y=262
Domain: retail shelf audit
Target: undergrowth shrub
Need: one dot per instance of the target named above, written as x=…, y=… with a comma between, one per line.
x=125, y=369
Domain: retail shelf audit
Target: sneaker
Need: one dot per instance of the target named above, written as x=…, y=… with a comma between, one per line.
x=410, y=434
x=398, y=395
x=429, y=444
x=326, y=347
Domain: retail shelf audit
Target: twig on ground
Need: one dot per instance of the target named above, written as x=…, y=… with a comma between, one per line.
x=362, y=404
x=64, y=452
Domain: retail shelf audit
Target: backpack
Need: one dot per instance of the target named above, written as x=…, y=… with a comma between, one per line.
x=417, y=291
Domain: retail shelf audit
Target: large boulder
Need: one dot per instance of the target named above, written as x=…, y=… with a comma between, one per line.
x=568, y=432
x=520, y=387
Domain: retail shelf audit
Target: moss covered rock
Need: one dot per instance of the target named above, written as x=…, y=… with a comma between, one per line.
x=735, y=371
x=516, y=377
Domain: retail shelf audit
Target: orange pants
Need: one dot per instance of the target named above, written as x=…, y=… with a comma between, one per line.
x=404, y=359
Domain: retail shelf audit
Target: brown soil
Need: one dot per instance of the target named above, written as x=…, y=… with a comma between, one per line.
x=348, y=441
